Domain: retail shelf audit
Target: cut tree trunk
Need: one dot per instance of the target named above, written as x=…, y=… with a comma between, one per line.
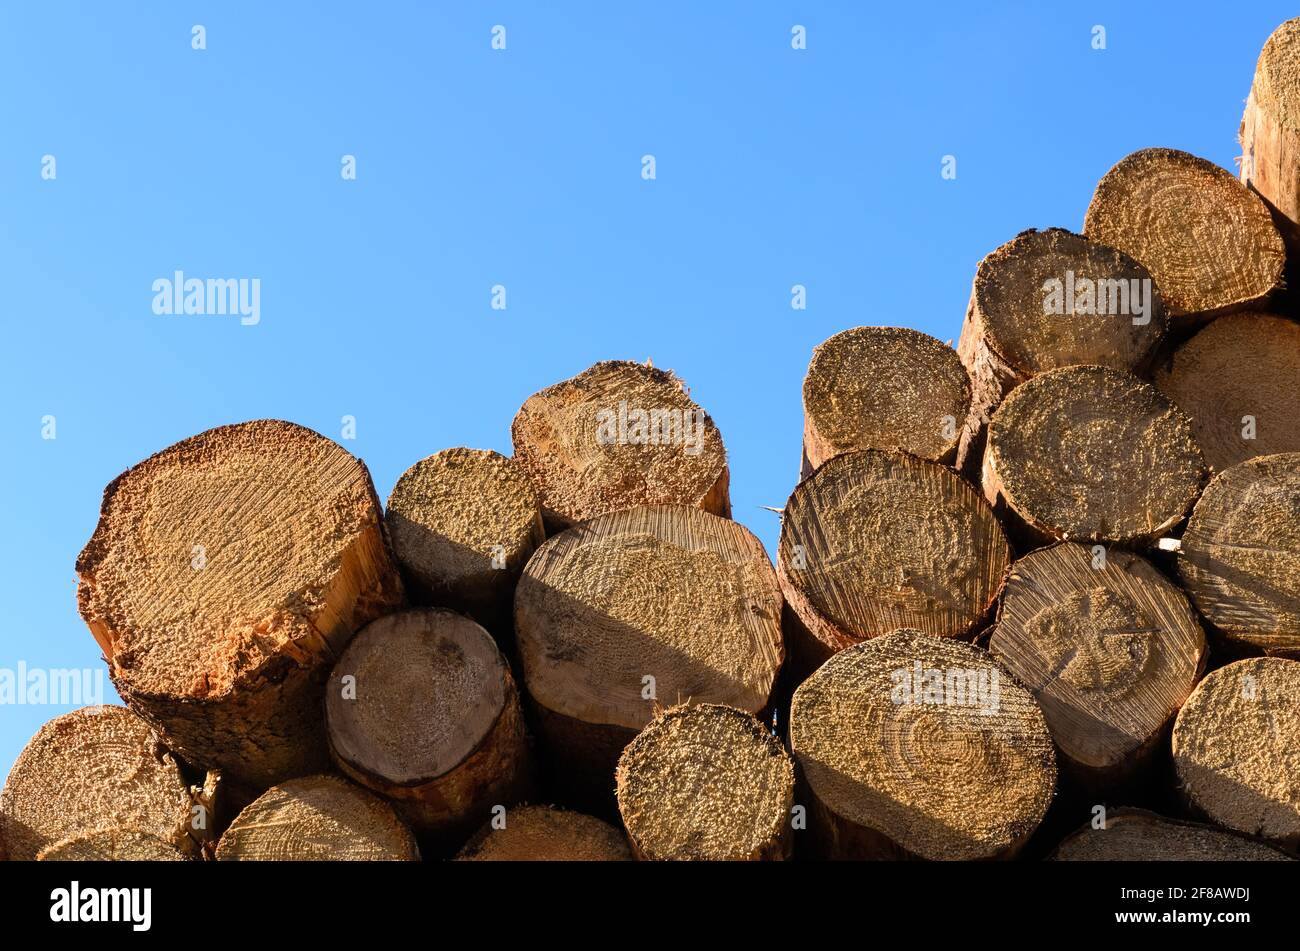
x=421, y=708
x=1090, y=454
x=546, y=834
x=318, y=819
x=875, y=541
x=1208, y=241
x=1045, y=300
x=883, y=388
x=224, y=577
x=1239, y=379
x=653, y=605
x=615, y=436
x=1109, y=649
x=1240, y=556
x=112, y=845
x=1237, y=748
x=87, y=769
x=706, y=783
x=1270, y=131
x=912, y=746
x=463, y=523
x=1135, y=835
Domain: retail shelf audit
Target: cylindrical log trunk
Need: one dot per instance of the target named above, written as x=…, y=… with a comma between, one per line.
x=89, y=768
x=615, y=436
x=653, y=605
x=1090, y=454
x=706, y=782
x=463, y=523
x=546, y=834
x=1109, y=649
x=1240, y=556
x=1208, y=241
x=1238, y=380
x=318, y=819
x=875, y=541
x=883, y=388
x=224, y=577
x=1237, y=749
x=112, y=845
x=1135, y=835
x=912, y=746
x=421, y=708
x=1270, y=131
x=1045, y=300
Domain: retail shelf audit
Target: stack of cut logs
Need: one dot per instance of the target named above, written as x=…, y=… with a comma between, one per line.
x=1038, y=596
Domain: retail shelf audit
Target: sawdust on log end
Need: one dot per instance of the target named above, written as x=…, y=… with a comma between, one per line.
x=1045, y=300
x=225, y=574
x=1208, y=241
x=317, y=818
x=1090, y=453
x=883, y=388
x=422, y=709
x=463, y=523
x=547, y=834
x=1135, y=835
x=87, y=769
x=1237, y=748
x=112, y=845
x=1240, y=555
x=1109, y=649
x=707, y=783
x=1239, y=379
x=919, y=746
x=618, y=435
x=875, y=541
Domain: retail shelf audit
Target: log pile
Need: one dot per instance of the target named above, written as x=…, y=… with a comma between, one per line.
x=1054, y=568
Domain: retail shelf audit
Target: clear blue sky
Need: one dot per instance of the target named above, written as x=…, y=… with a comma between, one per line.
x=519, y=167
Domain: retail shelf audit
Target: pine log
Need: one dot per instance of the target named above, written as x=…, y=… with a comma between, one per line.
x=706, y=783
x=615, y=436
x=89, y=768
x=547, y=834
x=1090, y=454
x=1135, y=835
x=1238, y=380
x=912, y=746
x=112, y=845
x=1270, y=131
x=653, y=605
x=422, y=709
x=317, y=819
x=225, y=575
x=1240, y=556
x=875, y=541
x=463, y=523
x=1109, y=649
x=1237, y=748
x=1208, y=241
x=883, y=388
x=1045, y=300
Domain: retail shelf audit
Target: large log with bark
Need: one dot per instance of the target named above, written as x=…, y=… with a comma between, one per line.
x=1136, y=835
x=422, y=709
x=652, y=605
x=619, y=435
x=91, y=768
x=912, y=746
x=1270, y=131
x=1238, y=381
x=1090, y=454
x=883, y=388
x=1208, y=241
x=226, y=574
x=1109, y=649
x=874, y=541
x=706, y=782
x=1045, y=300
x=1239, y=558
x=1237, y=748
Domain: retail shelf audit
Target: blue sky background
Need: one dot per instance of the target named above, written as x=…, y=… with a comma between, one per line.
x=519, y=167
